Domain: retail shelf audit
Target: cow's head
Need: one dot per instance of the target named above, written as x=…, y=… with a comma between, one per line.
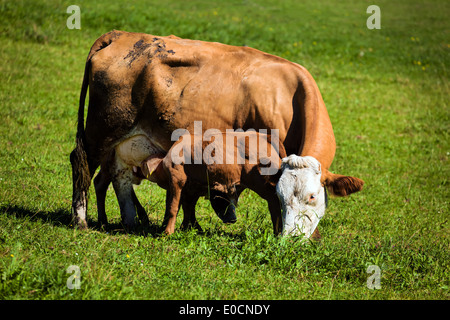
x=302, y=194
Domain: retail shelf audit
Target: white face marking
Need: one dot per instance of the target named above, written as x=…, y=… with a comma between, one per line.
x=301, y=195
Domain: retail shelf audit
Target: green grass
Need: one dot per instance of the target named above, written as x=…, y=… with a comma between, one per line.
x=387, y=92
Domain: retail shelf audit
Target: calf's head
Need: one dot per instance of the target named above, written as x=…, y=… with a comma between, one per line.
x=302, y=194
x=152, y=169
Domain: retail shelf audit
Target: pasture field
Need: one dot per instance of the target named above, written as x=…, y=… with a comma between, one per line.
x=387, y=93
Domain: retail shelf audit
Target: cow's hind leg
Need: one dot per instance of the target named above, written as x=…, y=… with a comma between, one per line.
x=123, y=189
x=122, y=180
x=101, y=183
x=124, y=194
x=142, y=214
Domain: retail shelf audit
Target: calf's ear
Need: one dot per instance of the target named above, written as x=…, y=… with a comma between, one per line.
x=340, y=185
x=151, y=165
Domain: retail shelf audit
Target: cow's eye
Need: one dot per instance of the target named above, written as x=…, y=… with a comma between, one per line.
x=312, y=197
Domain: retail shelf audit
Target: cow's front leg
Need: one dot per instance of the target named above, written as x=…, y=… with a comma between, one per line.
x=275, y=214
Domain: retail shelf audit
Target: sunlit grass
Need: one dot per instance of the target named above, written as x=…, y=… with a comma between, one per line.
x=387, y=95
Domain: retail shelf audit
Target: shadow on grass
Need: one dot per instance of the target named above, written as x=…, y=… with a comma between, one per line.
x=60, y=217
x=63, y=218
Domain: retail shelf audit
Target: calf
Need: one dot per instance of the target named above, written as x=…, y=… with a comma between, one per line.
x=186, y=179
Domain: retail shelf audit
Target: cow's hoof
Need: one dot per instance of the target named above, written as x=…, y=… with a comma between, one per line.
x=187, y=226
x=102, y=226
x=80, y=224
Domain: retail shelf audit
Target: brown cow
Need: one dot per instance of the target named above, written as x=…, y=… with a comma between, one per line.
x=149, y=86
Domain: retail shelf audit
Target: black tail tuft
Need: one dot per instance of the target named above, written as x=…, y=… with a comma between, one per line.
x=80, y=168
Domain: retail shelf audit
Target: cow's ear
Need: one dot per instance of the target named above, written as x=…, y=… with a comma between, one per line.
x=342, y=186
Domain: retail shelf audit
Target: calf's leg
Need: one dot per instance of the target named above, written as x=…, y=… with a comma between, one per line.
x=188, y=203
x=173, y=197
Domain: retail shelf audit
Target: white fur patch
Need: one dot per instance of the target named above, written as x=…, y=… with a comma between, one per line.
x=297, y=162
x=301, y=195
x=80, y=210
x=136, y=149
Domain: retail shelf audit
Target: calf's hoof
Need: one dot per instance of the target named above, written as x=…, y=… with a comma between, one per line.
x=190, y=225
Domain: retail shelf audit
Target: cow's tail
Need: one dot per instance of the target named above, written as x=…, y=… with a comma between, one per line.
x=80, y=168
x=78, y=158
